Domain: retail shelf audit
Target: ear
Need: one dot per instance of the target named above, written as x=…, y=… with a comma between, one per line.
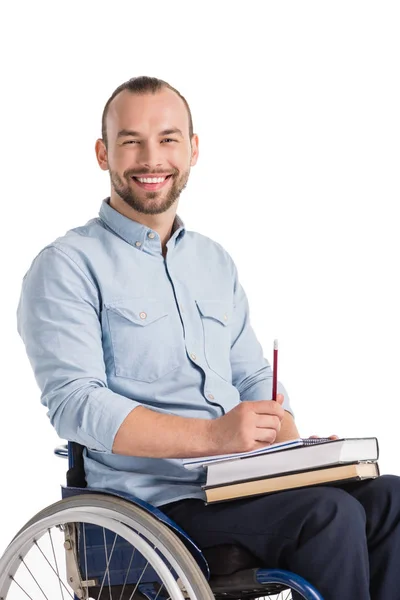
x=195, y=149
x=101, y=154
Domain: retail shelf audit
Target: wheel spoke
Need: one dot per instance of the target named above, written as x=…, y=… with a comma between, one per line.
x=140, y=579
x=107, y=564
x=52, y=568
x=33, y=577
x=159, y=591
x=55, y=561
x=127, y=573
x=107, y=561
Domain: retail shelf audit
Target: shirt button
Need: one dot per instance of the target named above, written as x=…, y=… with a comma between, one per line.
x=193, y=356
x=210, y=396
x=143, y=315
x=151, y=235
x=138, y=244
x=225, y=317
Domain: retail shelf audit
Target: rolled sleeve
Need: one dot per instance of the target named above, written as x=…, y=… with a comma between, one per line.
x=58, y=319
x=251, y=372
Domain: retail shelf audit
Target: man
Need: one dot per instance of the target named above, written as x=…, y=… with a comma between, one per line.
x=139, y=335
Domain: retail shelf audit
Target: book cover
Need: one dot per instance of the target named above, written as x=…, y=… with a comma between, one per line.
x=322, y=476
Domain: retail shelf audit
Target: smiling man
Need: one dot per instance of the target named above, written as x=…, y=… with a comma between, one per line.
x=148, y=158
x=139, y=335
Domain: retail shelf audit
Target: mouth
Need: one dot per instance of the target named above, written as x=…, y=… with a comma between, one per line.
x=152, y=183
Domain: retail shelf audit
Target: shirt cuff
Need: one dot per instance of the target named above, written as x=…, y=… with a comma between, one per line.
x=104, y=414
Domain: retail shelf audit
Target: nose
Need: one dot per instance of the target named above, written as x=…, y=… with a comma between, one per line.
x=149, y=156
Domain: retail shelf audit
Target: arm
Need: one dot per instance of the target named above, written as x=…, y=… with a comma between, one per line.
x=59, y=322
x=145, y=432
x=248, y=426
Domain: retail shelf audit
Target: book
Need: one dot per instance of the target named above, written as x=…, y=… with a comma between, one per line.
x=286, y=458
x=326, y=476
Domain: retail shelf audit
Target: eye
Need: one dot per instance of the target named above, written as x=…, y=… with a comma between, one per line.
x=169, y=140
x=129, y=142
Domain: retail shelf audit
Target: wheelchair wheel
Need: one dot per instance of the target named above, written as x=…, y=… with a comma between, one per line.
x=101, y=547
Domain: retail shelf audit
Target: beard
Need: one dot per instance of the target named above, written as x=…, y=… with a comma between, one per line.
x=145, y=202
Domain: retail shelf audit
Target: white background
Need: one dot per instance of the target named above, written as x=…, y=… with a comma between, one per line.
x=297, y=108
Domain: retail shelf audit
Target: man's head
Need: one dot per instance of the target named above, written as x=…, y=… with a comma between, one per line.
x=147, y=131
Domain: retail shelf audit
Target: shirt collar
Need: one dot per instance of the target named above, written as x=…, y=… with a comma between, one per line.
x=139, y=236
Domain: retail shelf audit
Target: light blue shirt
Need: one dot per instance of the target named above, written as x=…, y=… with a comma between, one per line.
x=109, y=325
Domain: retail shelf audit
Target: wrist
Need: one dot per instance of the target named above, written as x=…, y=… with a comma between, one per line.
x=210, y=437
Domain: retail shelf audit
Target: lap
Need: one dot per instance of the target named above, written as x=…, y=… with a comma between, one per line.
x=272, y=515
x=279, y=515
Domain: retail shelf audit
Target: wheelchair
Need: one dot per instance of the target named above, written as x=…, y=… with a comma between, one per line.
x=106, y=545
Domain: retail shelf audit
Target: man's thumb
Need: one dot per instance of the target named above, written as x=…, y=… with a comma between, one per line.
x=280, y=398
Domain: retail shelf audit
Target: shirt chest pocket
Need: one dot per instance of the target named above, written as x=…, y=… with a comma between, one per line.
x=216, y=319
x=143, y=340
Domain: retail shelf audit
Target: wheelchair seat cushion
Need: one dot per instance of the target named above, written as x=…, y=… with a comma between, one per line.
x=227, y=559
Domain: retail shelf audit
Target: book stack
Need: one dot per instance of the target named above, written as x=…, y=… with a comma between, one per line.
x=289, y=465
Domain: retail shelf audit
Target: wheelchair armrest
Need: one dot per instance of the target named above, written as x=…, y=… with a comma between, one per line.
x=76, y=473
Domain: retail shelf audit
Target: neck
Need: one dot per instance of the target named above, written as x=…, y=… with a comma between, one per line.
x=160, y=223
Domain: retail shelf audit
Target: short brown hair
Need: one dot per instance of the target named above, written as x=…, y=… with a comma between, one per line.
x=141, y=85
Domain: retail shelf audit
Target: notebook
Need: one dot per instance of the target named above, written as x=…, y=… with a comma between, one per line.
x=198, y=462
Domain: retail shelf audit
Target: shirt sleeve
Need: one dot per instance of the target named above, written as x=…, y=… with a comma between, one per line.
x=251, y=372
x=58, y=318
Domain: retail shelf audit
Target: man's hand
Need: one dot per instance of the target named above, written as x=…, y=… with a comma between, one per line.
x=248, y=426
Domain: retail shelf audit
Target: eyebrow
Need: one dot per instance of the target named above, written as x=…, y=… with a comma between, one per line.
x=126, y=132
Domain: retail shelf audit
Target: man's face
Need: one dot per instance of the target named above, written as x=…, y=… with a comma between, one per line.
x=148, y=136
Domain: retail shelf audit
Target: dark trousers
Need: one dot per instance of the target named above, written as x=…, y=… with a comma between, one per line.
x=345, y=541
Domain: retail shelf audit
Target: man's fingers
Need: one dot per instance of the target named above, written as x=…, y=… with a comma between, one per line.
x=270, y=422
x=268, y=407
x=265, y=435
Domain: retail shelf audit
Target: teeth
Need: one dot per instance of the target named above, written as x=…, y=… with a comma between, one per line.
x=151, y=179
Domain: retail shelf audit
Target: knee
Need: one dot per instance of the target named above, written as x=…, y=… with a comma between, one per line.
x=387, y=486
x=382, y=492
x=337, y=508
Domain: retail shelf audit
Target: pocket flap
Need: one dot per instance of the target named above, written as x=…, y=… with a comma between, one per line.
x=141, y=311
x=214, y=309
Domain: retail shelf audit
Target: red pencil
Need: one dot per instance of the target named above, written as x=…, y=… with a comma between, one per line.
x=275, y=371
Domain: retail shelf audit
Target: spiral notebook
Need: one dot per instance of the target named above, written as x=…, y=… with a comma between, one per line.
x=195, y=463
